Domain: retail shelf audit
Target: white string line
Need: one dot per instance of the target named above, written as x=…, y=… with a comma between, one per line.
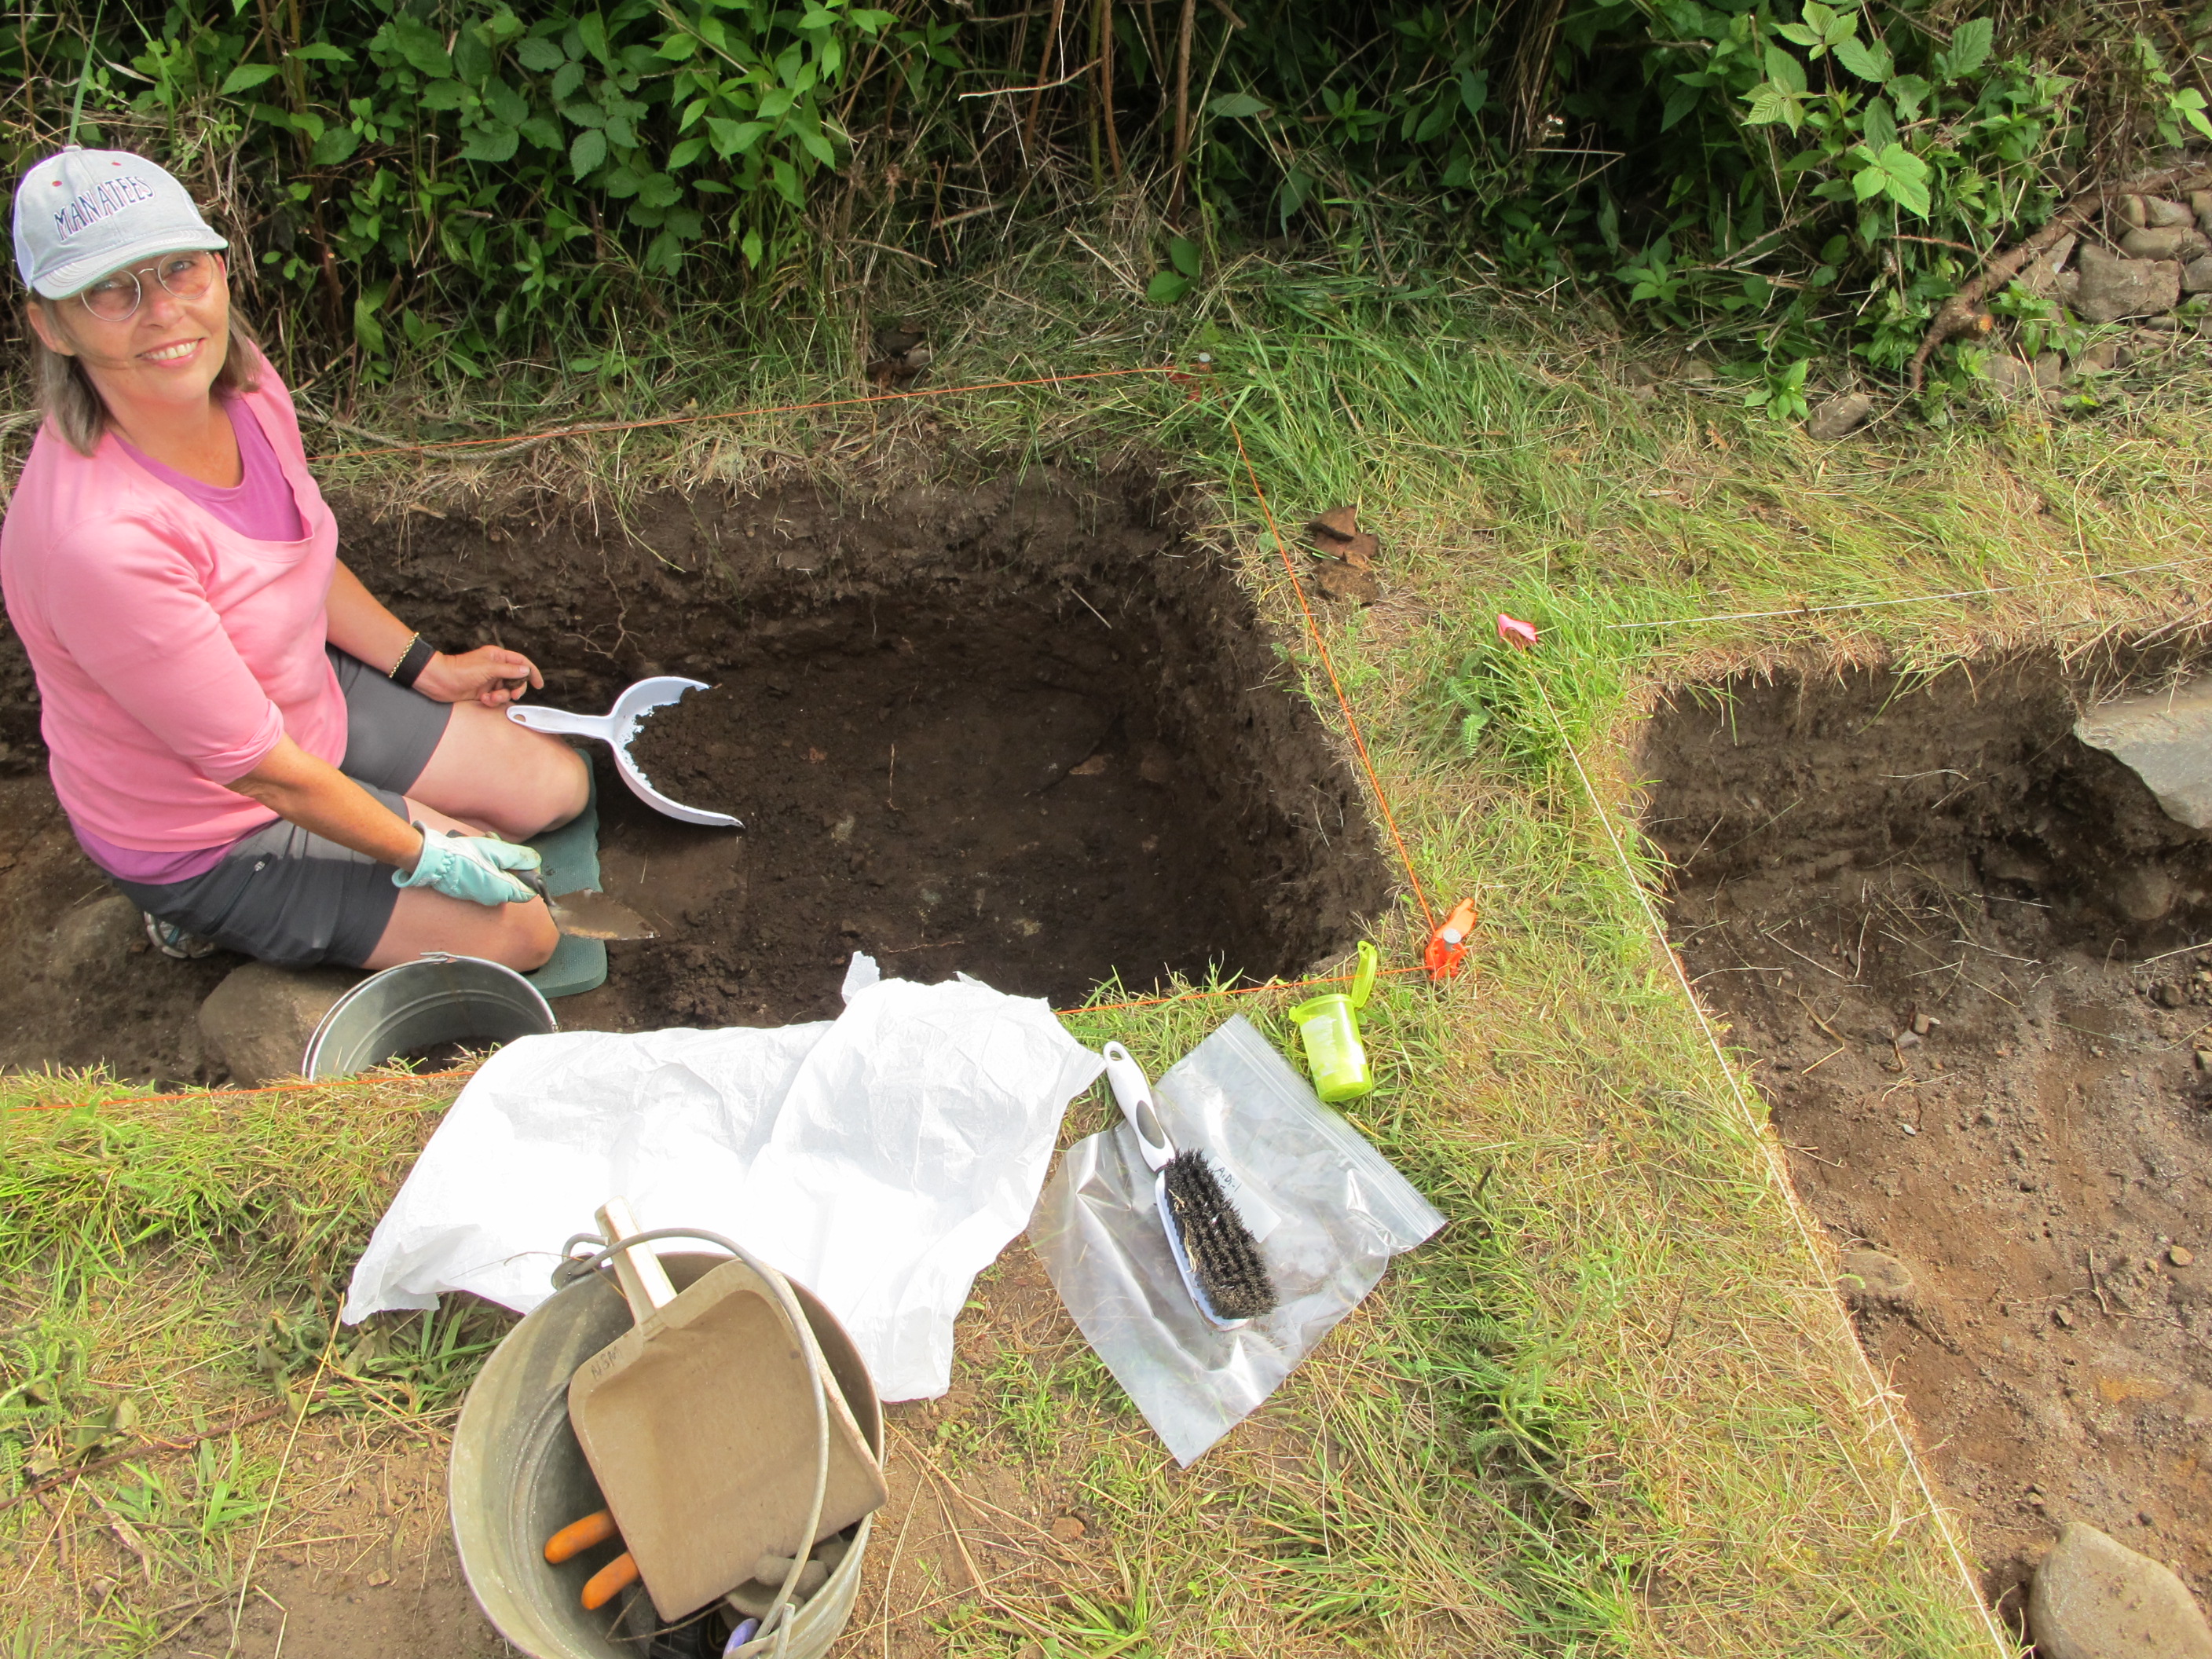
x=1917, y=599
x=1779, y=1174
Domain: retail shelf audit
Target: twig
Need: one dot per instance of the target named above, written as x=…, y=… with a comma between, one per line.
x=1182, y=106
x=46, y=1543
x=1044, y=62
x=275, y=1484
x=1040, y=89
x=1822, y=1024
x=1106, y=85
x=1963, y=313
x=144, y=1448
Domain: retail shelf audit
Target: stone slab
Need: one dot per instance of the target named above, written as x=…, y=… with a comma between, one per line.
x=2165, y=739
x=2113, y=288
x=258, y=1021
x=2093, y=1598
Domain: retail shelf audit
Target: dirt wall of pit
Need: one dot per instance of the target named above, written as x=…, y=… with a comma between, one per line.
x=1171, y=801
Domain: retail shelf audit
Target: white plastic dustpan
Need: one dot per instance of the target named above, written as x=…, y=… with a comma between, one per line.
x=616, y=728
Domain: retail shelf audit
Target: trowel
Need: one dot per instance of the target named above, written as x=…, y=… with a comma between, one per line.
x=588, y=914
x=618, y=728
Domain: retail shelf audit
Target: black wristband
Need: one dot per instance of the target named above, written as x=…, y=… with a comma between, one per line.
x=409, y=669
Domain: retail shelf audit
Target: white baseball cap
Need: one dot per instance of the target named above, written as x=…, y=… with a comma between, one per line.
x=83, y=213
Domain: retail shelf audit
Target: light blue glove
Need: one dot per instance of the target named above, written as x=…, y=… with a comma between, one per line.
x=472, y=867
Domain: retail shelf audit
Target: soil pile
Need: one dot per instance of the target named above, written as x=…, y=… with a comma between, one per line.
x=1919, y=908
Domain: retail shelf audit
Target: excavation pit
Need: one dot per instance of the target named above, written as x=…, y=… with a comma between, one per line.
x=1954, y=941
x=1028, y=731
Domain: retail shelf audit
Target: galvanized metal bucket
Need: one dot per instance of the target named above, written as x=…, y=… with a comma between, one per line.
x=518, y=1476
x=435, y=999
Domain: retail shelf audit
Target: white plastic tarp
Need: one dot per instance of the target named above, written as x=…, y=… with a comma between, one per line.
x=881, y=1159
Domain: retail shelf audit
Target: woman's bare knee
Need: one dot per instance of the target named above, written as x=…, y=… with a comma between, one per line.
x=533, y=937
x=551, y=787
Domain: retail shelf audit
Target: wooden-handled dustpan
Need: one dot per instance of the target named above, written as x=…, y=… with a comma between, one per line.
x=700, y=1422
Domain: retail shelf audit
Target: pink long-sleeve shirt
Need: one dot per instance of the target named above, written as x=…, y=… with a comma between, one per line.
x=172, y=651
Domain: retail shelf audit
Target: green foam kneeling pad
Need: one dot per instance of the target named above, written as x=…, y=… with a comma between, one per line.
x=570, y=856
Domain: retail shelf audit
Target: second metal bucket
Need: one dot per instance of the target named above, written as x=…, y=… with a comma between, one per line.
x=517, y=1474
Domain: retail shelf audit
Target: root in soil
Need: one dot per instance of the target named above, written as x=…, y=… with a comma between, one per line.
x=1939, y=922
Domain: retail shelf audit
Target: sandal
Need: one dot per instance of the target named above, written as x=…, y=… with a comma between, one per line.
x=172, y=941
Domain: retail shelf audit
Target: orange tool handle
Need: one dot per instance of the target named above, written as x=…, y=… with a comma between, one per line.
x=610, y=1581
x=579, y=1535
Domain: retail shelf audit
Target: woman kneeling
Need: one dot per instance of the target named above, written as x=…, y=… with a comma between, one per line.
x=260, y=755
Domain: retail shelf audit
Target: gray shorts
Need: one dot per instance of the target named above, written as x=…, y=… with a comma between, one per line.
x=288, y=896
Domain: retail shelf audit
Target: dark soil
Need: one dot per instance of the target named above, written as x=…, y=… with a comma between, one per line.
x=1102, y=765
x=1925, y=912
x=79, y=984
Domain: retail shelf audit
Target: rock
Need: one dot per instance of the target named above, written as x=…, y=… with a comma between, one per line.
x=2105, y=357
x=2041, y=277
x=2067, y=289
x=2164, y=242
x=2200, y=203
x=2181, y=1255
x=1869, y=1278
x=2197, y=276
x=2113, y=288
x=2158, y=212
x=2096, y=1599
x=258, y=1020
x=2144, y=893
x=2133, y=210
x=1341, y=582
x=2007, y=373
x=105, y=931
x=2050, y=370
x=2165, y=739
x=1840, y=416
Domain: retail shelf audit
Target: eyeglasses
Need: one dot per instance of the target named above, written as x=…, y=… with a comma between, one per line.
x=116, y=297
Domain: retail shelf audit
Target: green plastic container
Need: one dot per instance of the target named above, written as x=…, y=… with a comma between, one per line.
x=1328, y=1027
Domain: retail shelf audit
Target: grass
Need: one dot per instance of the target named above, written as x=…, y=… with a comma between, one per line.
x=1614, y=1407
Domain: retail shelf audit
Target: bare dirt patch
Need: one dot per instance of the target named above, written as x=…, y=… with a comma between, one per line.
x=1926, y=913
x=1026, y=730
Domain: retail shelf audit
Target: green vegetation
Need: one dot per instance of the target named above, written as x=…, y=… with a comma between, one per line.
x=1614, y=1408
x=463, y=184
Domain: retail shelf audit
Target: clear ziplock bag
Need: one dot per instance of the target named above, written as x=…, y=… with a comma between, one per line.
x=1329, y=1211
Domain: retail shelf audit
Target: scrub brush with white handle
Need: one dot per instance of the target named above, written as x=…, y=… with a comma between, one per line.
x=1213, y=1248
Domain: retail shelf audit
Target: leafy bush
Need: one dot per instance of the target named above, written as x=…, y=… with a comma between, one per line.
x=1769, y=170
x=473, y=178
x=475, y=162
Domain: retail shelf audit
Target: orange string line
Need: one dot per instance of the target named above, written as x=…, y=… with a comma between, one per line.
x=224, y=1094
x=1233, y=991
x=1351, y=720
x=592, y=427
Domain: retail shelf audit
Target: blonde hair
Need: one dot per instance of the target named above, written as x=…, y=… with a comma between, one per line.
x=72, y=404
